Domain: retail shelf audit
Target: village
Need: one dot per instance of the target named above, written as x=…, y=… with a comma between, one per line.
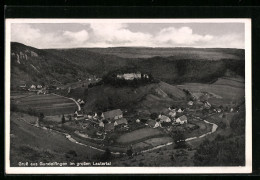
x=104, y=128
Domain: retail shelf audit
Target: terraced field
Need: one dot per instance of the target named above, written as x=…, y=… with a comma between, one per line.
x=48, y=104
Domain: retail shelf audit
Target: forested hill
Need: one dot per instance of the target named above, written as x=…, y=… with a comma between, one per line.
x=173, y=65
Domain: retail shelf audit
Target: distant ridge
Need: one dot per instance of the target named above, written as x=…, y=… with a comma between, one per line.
x=171, y=65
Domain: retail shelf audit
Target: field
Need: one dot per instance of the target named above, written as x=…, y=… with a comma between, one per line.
x=48, y=104
x=224, y=89
x=138, y=135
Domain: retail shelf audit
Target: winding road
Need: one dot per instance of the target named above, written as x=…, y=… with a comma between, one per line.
x=71, y=139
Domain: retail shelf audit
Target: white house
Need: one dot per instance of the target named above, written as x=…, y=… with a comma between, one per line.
x=180, y=110
x=172, y=114
x=101, y=124
x=157, y=124
x=33, y=86
x=181, y=120
x=164, y=118
x=39, y=86
x=129, y=76
x=190, y=103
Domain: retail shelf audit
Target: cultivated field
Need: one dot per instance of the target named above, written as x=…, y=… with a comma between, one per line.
x=48, y=104
x=138, y=135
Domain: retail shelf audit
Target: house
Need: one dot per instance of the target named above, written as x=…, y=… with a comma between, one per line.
x=138, y=120
x=120, y=121
x=78, y=114
x=146, y=76
x=172, y=114
x=109, y=127
x=81, y=102
x=157, y=124
x=112, y=115
x=180, y=110
x=101, y=124
x=190, y=103
x=33, y=87
x=129, y=76
x=182, y=119
x=39, y=86
x=207, y=105
x=164, y=118
x=95, y=116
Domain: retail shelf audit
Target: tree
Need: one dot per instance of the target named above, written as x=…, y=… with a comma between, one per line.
x=106, y=156
x=99, y=113
x=154, y=116
x=179, y=139
x=63, y=119
x=130, y=152
x=70, y=118
x=41, y=116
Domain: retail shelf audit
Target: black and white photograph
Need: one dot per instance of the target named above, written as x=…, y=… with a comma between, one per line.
x=128, y=96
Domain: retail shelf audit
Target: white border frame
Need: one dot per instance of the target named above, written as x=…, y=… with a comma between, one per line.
x=133, y=170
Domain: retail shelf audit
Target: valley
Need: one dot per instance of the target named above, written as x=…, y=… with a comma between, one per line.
x=73, y=99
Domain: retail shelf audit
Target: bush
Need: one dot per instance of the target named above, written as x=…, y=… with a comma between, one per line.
x=41, y=116
x=71, y=154
x=154, y=116
x=221, y=152
x=106, y=156
x=129, y=152
x=63, y=119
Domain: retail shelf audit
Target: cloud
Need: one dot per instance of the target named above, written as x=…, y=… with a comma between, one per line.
x=31, y=36
x=232, y=40
x=181, y=36
x=80, y=36
x=24, y=33
x=119, y=34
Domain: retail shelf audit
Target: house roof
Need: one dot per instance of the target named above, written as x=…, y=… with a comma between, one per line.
x=183, y=118
x=113, y=113
x=121, y=121
x=109, y=127
x=164, y=118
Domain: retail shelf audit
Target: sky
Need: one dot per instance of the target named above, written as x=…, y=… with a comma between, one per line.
x=73, y=35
